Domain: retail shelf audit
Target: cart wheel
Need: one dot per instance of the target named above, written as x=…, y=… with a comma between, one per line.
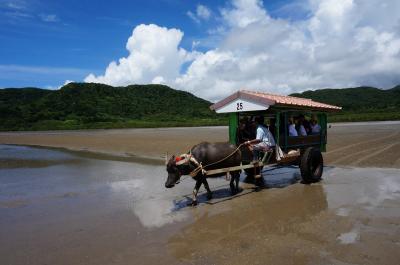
x=311, y=165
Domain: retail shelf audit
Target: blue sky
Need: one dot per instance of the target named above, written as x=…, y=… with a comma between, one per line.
x=209, y=48
x=44, y=43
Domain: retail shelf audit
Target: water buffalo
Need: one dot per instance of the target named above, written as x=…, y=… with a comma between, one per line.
x=206, y=154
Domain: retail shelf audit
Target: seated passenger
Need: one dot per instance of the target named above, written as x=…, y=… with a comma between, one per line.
x=243, y=134
x=307, y=125
x=272, y=126
x=252, y=128
x=292, y=127
x=315, y=127
x=301, y=129
x=264, y=139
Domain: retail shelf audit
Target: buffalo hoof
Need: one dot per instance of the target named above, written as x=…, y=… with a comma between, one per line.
x=192, y=203
x=209, y=196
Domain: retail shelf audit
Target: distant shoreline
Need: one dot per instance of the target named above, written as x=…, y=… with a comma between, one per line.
x=341, y=123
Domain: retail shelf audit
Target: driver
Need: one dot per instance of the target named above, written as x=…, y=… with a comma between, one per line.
x=264, y=140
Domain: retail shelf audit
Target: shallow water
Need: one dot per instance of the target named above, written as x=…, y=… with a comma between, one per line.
x=36, y=174
x=61, y=207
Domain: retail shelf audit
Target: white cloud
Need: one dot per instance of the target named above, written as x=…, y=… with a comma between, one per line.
x=341, y=43
x=67, y=82
x=202, y=13
x=337, y=46
x=244, y=13
x=195, y=44
x=154, y=57
x=12, y=69
x=16, y=4
x=49, y=17
x=193, y=17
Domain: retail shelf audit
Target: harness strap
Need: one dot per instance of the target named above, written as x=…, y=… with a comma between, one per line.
x=187, y=158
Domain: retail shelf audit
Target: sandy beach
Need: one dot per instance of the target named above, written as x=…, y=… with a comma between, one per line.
x=105, y=202
x=375, y=144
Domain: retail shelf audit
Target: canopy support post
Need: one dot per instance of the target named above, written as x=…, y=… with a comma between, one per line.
x=233, y=125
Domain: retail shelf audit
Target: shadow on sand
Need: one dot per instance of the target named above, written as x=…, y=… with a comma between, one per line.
x=274, y=177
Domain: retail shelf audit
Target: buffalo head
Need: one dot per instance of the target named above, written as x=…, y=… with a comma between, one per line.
x=174, y=174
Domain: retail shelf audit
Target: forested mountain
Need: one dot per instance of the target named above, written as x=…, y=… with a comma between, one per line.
x=359, y=103
x=89, y=105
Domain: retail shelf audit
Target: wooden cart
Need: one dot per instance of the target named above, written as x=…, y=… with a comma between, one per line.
x=306, y=150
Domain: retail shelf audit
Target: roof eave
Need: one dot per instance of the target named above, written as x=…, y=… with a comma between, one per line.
x=253, y=97
x=305, y=107
x=243, y=95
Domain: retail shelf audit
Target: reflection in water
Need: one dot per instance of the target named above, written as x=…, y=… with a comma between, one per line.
x=12, y=156
x=301, y=217
x=248, y=220
x=138, y=187
x=287, y=220
x=149, y=202
x=29, y=153
x=349, y=238
x=367, y=187
x=343, y=212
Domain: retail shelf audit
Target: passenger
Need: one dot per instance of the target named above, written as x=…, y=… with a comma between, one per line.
x=272, y=127
x=264, y=139
x=301, y=130
x=315, y=127
x=243, y=134
x=307, y=125
x=251, y=128
x=292, y=127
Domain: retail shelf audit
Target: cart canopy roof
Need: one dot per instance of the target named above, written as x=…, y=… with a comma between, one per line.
x=245, y=100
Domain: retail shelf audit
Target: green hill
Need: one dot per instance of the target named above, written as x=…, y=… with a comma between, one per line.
x=359, y=103
x=88, y=105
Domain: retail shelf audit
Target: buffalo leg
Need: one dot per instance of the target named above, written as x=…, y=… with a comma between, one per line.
x=195, y=191
x=234, y=184
x=209, y=193
x=233, y=190
x=237, y=178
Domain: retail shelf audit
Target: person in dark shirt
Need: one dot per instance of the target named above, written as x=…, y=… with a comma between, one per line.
x=243, y=133
x=303, y=126
x=307, y=125
x=272, y=127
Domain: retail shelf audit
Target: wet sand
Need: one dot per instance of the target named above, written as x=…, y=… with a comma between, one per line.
x=77, y=209
x=73, y=207
x=369, y=144
x=337, y=222
x=134, y=143
x=375, y=144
